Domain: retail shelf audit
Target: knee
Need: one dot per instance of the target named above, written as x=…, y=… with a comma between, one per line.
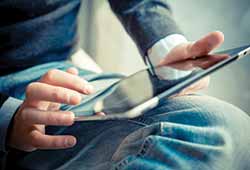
x=206, y=112
x=218, y=112
x=200, y=111
x=199, y=128
x=231, y=123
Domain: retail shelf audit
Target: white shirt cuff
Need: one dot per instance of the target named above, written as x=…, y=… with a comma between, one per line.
x=160, y=50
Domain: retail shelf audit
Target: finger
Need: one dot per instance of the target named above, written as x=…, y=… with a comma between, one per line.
x=184, y=65
x=198, y=49
x=190, y=90
x=63, y=79
x=204, y=63
x=54, y=106
x=179, y=53
x=100, y=114
x=73, y=71
x=42, y=141
x=45, y=92
x=202, y=84
x=209, y=61
x=57, y=118
x=205, y=45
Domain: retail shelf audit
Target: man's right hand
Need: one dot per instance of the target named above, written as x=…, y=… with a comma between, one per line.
x=41, y=108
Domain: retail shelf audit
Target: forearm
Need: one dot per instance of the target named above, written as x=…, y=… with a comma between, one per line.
x=153, y=29
x=146, y=21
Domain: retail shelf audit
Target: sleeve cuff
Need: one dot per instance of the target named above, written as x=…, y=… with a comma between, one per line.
x=7, y=111
x=160, y=50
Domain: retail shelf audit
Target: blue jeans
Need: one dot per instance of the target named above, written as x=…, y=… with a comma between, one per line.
x=183, y=133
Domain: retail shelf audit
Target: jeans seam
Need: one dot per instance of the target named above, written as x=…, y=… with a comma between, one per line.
x=146, y=146
x=137, y=122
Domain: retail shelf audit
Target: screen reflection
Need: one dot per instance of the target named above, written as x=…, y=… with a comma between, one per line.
x=137, y=89
x=145, y=84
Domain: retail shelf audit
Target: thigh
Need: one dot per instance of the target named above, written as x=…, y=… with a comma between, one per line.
x=96, y=143
x=192, y=132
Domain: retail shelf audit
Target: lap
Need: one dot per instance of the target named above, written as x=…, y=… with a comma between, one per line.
x=191, y=132
x=181, y=133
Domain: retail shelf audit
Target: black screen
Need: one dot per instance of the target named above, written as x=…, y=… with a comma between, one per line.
x=144, y=85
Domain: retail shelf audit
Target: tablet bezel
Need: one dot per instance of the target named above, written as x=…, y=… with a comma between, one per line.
x=153, y=102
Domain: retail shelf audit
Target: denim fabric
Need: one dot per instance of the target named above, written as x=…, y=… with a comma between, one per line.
x=146, y=21
x=183, y=133
x=7, y=111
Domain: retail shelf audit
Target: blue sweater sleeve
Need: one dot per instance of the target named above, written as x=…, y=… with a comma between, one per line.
x=7, y=110
x=146, y=21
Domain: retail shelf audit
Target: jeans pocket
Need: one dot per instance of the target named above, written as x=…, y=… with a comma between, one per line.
x=135, y=146
x=166, y=145
x=144, y=149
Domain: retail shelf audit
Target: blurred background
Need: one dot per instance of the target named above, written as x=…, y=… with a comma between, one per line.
x=104, y=39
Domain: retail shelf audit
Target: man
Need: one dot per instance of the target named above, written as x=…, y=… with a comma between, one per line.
x=186, y=132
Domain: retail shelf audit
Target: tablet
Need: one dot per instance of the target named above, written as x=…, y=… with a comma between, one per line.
x=134, y=95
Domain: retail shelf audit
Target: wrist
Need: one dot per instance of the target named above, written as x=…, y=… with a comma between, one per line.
x=160, y=50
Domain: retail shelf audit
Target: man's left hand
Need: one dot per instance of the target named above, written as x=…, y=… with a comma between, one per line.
x=190, y=55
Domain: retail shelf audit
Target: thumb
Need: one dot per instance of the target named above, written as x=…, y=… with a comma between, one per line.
x=197, y=49
x=206, y=44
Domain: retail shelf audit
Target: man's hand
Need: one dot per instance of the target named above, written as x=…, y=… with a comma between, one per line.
x=188, y=56
x=41, y=108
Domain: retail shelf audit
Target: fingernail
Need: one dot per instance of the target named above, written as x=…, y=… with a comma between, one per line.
x=70, y=142
x=89, y=88
x=101, y=114
x=70, y=116
x=213, y=40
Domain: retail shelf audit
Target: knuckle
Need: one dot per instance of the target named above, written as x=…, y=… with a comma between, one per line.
x=49, y=76
x=57, y=94
x=54, y=106
x=56, y=142
x=60, y=95
x=34, y=140
x=24, y=115
x=53, y=142
x=54, y=119
x=61, y=119
x=30, y=88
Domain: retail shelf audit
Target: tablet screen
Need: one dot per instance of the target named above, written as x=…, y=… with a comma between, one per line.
x=146, y=84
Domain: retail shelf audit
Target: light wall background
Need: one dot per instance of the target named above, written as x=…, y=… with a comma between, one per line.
x=103, y=37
